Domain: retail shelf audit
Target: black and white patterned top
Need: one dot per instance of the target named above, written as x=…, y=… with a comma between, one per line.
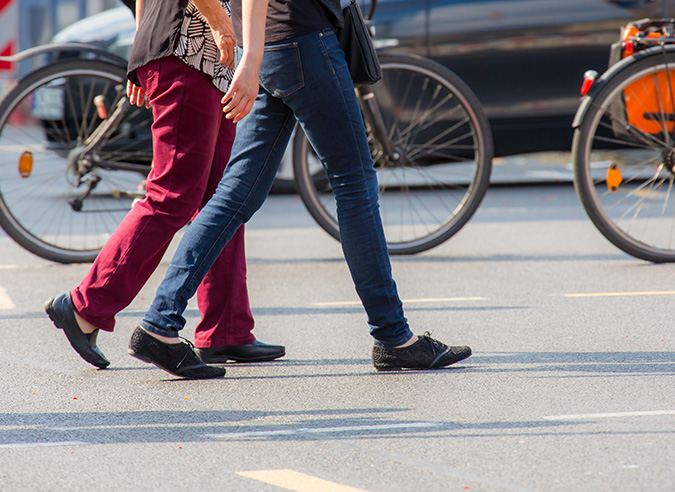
x=197, y=48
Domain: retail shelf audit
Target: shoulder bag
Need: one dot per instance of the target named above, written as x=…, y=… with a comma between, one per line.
x=357, y=44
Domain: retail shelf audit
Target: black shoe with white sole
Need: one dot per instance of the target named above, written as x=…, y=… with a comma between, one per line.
x=425, y=353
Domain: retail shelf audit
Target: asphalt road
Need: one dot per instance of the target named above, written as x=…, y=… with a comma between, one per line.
x=570, y=388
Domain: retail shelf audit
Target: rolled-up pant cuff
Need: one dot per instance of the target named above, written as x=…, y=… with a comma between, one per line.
x=158, y=331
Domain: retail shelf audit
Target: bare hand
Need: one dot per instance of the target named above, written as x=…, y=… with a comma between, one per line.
x=243, y=90
x=137, y=95
x=224, y=38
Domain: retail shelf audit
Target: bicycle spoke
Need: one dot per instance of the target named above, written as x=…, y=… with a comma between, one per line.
x=65, y=206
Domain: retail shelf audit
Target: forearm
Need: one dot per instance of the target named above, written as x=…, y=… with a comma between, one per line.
x=139, y=8
x=253, y=17
x=214, y=13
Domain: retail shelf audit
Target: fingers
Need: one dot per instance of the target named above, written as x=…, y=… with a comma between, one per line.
x=228, y=95
x=242, y=92
x=232, y=103
x=226, y=55
x=225, y=41
x=227, y=59
x=246, y=110
x=137, y=96
x=238, y=106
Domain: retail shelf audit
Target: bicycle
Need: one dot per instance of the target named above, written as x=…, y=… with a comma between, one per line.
x=624, y=143
x=73, y=154
x=432, y=147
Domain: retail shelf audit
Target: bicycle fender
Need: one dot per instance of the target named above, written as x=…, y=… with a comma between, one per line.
x=587, y=100
x=50, y=48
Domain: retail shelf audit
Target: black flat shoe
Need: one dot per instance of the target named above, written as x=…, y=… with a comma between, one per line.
x=253, y=352
x=178, y=359
x=425, y=353
x=60, y=311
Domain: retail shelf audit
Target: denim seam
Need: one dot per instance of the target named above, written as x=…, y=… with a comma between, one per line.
x=242, y=206
x=327, y=56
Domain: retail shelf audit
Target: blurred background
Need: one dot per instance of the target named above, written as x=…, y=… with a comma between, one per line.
x=523, y=58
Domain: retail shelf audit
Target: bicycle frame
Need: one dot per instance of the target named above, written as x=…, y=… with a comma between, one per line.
x=97, y=138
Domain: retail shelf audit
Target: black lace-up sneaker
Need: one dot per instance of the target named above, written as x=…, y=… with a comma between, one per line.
x=425, y=353
x=178, y=359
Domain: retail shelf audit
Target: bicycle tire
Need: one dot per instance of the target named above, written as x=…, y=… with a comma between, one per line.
x=455, y=170
x=48, y=113
x=623, y=171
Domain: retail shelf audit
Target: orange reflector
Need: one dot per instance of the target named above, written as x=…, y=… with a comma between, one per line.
x=614, y=178
x=99, y=102
x=26, y=164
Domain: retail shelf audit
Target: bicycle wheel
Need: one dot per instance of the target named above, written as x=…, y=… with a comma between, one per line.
x=438, y=125
x=56, y=200
x=624, y=155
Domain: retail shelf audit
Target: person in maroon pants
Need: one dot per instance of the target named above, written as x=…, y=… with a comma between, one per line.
x=186, y=74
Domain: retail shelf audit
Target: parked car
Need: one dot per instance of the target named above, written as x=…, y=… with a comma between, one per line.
x=523, y=58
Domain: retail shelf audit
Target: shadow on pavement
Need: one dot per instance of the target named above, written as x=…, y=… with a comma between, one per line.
x=45, y=429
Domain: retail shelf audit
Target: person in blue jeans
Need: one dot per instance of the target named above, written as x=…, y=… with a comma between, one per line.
x=290, y=66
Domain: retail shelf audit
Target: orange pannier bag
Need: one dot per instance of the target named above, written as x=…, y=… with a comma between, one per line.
x=648, y=101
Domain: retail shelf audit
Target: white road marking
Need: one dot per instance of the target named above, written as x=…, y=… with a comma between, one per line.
x=299, y=482
x=589, y=416
x=623, y=294
x=5, y=301
x=322, y=430
x=42, y=444
x=439, y=299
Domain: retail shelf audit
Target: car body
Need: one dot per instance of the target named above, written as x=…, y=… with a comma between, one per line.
x=524, y=59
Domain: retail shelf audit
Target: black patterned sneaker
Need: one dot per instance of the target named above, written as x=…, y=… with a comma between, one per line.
x=178, y=359
x=425, y=353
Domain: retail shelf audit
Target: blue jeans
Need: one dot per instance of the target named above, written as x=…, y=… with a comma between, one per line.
x=304, y=78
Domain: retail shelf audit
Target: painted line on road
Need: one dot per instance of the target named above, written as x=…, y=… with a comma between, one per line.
x=439, y=299
x=42, y=444
x=621, y=294
x=322, y=430
x=613, y=415
x=299, y=482
x=5, y=301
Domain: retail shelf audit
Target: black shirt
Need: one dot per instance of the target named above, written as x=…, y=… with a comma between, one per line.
x=160, y=23
x=157, y=35
x=286, y=19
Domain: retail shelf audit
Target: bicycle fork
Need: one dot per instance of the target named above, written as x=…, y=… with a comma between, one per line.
x=85, y=157
x=393, y=155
